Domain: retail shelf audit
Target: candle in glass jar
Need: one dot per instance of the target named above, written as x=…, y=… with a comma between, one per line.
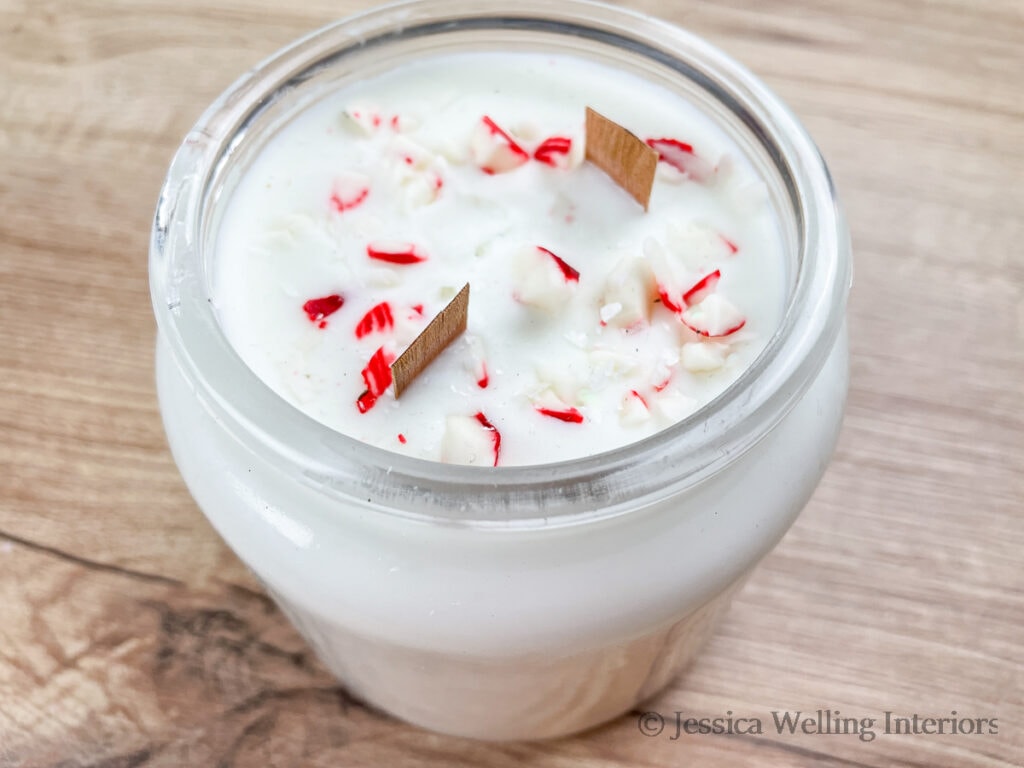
x=593, y=323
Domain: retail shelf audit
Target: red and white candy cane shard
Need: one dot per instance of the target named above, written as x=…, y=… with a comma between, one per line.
x=377, y=377
x=569, y=415
x=350, y=190
x=733, y=248
x=702, y=288
x=571, y=275
x=495, y=434
x=494, y=150
x=318, y=309
x=681, y=156
x=395, y=252
x=554, y=151
x=367, y=119
x=377, y=319
x=669, y=301
x=714, y=318
x=639, y=397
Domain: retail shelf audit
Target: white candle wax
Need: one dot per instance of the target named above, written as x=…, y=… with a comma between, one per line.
x=592, y=323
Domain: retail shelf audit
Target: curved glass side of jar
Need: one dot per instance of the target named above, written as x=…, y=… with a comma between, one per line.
x=494, y=633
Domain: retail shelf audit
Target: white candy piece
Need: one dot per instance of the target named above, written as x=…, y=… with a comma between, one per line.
x=362, y=118
x=609, y=311
x=715, y=316
x=538, y=281
x=492, y=151
x=630, y=285
x=633, y=410
x=528, y=132
x=672, y=406
x=410, y=154
x=610, y=364
x=558, y=385
x=703, y=356
x=404, y=123
x=419, y=189
x=694, y=245
x=476, y=361
x=467, y=441
x=417, y=172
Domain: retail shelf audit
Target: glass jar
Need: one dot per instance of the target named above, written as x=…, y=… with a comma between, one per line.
x=513, y=602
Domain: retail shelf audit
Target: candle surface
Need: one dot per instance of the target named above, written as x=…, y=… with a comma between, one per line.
x=592, y=324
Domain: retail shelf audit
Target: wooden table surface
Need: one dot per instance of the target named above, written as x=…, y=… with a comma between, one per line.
x=131, y=636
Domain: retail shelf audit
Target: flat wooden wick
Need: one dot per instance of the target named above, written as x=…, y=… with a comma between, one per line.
x=623, y=156
x=439, y=333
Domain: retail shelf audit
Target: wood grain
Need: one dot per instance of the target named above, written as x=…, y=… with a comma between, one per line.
x=130, y=636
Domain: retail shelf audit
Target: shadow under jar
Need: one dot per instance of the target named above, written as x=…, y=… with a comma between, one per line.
x=512, y=602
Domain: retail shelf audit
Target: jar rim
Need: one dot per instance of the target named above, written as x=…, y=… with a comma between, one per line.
x=600, y=485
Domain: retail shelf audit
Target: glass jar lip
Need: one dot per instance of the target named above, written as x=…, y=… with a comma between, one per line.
x=600, y=485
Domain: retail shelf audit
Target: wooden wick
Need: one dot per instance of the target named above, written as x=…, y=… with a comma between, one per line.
x=623, y=156
x=439, y=333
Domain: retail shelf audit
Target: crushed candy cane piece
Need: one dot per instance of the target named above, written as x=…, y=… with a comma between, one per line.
x=701, y=357
x=541, y=279
x=570, y=274
x=630, y=285
x=550, y=404
x=702, y=288
x=318, y=309
x=363, y=118
x=633, y=409
x=377, y=377
x=377, y=319
x=411, y=154
x=494, y=150
x=609, y=311
x=555, y=152
x=733, y=248
x=569, y=415
x=350, y=190
x=476, y=362
x=714, y=317
x=395, y=252
x=470, y=440
x=495, y=435
x=680, y=155
x=667, y=276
